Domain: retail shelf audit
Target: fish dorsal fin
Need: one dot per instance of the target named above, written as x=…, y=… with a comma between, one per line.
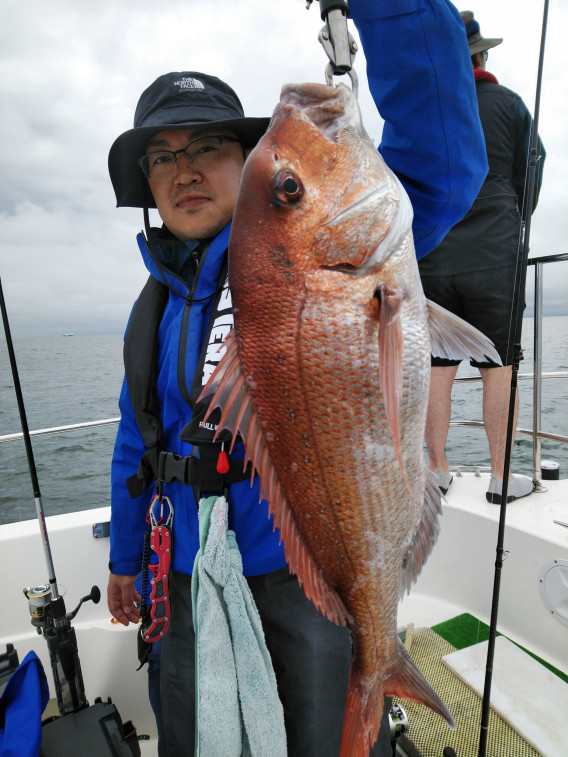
x=424, y=537
x=239, y=416
x=454, y=339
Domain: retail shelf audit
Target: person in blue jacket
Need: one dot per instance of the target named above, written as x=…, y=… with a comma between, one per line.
x=184, y=156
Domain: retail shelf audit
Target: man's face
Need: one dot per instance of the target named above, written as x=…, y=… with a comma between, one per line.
x=197, y=204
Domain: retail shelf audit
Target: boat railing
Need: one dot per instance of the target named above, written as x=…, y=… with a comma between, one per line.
x=60, y=429
x=539, y=264
x=537, y=376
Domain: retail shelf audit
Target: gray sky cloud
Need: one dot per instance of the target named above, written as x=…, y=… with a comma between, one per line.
x=71, y=74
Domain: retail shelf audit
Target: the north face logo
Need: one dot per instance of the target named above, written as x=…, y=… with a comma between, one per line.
x=189, y=83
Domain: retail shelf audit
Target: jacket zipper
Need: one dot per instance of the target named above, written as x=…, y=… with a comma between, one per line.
x=199, y=260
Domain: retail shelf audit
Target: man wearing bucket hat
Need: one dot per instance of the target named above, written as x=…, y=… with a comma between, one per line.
x=472, y=273
x=184, y=157
x=177, y=101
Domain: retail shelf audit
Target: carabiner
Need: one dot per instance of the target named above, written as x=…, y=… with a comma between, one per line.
x=339, y=45
x=153, y=518
x=329, y=74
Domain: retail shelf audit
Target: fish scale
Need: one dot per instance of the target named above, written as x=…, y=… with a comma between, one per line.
x=331, y=345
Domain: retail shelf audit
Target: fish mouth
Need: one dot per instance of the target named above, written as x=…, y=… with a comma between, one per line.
x=329, y=109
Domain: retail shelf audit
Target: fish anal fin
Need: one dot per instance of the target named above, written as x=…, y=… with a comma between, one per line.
x=239, y=416
x=407, y=682
x=424, y=537
x=454, y=339
x=362, y=721
x=391, y=344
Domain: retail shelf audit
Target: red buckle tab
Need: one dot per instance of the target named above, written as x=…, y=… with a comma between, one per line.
x=223, y=463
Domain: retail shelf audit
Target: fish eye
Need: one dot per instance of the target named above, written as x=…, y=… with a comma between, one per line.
x=288, y=187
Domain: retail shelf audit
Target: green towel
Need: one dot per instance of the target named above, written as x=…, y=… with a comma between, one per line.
x=238, y=713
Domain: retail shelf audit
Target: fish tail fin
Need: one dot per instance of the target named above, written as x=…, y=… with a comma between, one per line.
x=363, y=714
x=407, y=682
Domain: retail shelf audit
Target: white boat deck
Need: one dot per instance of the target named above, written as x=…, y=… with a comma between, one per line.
x=459, y=574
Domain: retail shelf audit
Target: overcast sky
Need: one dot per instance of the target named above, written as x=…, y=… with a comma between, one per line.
x=72, y=72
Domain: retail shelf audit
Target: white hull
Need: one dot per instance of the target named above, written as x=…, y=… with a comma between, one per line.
x=457, y=578
x=459, y=574
x=107, y=650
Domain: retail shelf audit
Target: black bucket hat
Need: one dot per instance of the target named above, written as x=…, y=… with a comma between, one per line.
x=178, y=100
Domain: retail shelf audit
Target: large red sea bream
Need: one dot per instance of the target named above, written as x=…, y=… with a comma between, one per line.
x=326, y=377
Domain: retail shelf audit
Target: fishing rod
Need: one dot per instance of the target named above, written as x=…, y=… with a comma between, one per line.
x=47, y=607
x=95, y=730
x=517, y=320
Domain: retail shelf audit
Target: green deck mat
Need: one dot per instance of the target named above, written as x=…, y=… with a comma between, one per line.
x=465, y=630
x=428, y=732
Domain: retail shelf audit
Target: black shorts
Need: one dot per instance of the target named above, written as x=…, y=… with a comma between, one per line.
x=485, y=300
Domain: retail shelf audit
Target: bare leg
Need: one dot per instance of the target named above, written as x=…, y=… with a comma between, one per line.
x=438, y=417
x=496, y=392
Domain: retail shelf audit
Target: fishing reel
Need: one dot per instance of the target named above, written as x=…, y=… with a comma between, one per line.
x=50, y=619
x=95, y=730
x=41, y=610
x=398, y=721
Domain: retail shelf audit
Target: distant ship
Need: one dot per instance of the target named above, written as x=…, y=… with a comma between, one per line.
x=68, y=334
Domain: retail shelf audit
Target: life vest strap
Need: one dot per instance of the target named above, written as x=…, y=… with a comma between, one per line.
x=200, y=472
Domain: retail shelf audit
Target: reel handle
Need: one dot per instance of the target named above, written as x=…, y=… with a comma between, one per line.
x=94, y=596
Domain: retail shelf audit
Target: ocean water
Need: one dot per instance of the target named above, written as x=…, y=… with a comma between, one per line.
x=64, y=380
x=68, y=380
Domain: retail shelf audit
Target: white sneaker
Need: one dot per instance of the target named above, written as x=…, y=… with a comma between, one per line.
x=520, y=486
x=442, y=480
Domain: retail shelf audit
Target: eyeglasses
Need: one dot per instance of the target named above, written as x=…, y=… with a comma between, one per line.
x=485, y=54
x=202, y=154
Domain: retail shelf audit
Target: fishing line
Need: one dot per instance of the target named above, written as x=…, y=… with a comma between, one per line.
x=517, y=318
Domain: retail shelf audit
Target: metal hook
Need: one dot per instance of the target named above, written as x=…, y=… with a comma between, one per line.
x=329, y=73
x=339, y=45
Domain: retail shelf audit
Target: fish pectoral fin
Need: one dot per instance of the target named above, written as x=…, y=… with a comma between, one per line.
x=424, y=538
x=391, y=344
x=454, y=339
x=407, y=682
x=239, y=416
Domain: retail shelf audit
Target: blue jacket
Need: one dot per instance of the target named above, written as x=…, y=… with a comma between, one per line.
x=417, y=60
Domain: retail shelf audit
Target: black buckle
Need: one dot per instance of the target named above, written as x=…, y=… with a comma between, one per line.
x=199, y=472
x=179, y=468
